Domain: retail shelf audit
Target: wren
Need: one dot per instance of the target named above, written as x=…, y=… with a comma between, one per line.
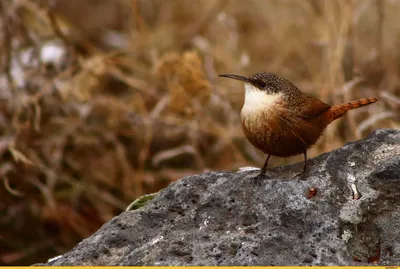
x=282, y=121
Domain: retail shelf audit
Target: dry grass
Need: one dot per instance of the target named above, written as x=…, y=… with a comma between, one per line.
x=133, y=101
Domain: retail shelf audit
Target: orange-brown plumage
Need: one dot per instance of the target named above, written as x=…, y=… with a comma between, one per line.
x=280, y=120
x=337, y=111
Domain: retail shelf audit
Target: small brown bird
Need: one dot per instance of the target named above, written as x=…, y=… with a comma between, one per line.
x=282, y=121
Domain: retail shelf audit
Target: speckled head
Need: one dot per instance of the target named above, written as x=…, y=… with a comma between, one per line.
x=269, y=83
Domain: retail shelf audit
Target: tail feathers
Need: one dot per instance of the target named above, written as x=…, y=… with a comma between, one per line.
x=339, y=110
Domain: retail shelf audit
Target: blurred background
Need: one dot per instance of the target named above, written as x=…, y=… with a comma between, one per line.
x=103, y=101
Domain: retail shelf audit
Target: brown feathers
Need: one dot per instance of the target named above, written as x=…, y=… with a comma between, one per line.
x=339, y=110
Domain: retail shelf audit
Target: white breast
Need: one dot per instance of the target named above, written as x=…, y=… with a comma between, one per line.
x=256, y=101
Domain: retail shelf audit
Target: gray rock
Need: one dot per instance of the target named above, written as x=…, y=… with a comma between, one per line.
x=226, y=218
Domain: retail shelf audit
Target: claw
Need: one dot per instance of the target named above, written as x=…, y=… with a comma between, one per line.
x=301, y=176
x=259, y=178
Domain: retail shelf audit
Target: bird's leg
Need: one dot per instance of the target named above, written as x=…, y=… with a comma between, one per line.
x=305, y=166
x=264, y=168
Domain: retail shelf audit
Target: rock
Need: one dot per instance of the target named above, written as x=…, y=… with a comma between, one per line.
x=227, y=218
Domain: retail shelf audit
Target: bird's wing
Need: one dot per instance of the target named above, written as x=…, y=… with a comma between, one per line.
x=311, y=108
x=302, y=119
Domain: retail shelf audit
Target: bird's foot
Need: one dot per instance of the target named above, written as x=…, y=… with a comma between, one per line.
x=259, y=177
x=301, y=176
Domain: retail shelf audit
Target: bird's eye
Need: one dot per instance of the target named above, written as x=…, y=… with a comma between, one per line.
x=262, y=84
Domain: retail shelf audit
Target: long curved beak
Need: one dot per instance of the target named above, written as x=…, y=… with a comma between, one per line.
x=241, y=78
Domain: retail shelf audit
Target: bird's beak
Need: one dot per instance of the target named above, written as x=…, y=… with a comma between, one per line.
x=241, y=78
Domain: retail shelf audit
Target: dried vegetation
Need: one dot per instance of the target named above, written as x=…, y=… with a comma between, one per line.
x=104, y=101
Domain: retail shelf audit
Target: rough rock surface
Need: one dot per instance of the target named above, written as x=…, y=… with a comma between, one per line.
x=227, y=218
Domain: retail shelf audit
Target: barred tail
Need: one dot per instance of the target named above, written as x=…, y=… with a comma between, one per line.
x=339, y=110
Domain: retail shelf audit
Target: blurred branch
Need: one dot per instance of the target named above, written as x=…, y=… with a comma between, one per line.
x=200, y=26
x=139, y=21
x=57, y=31
x=6, y=43
x=9, y=189
x=381, y=16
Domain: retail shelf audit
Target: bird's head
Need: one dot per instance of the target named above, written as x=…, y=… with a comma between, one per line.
x=267, y=83
x=263, y=91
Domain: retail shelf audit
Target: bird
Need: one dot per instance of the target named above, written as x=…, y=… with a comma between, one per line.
x=282, y=121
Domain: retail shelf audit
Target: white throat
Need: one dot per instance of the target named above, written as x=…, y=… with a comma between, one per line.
x=256, y=100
